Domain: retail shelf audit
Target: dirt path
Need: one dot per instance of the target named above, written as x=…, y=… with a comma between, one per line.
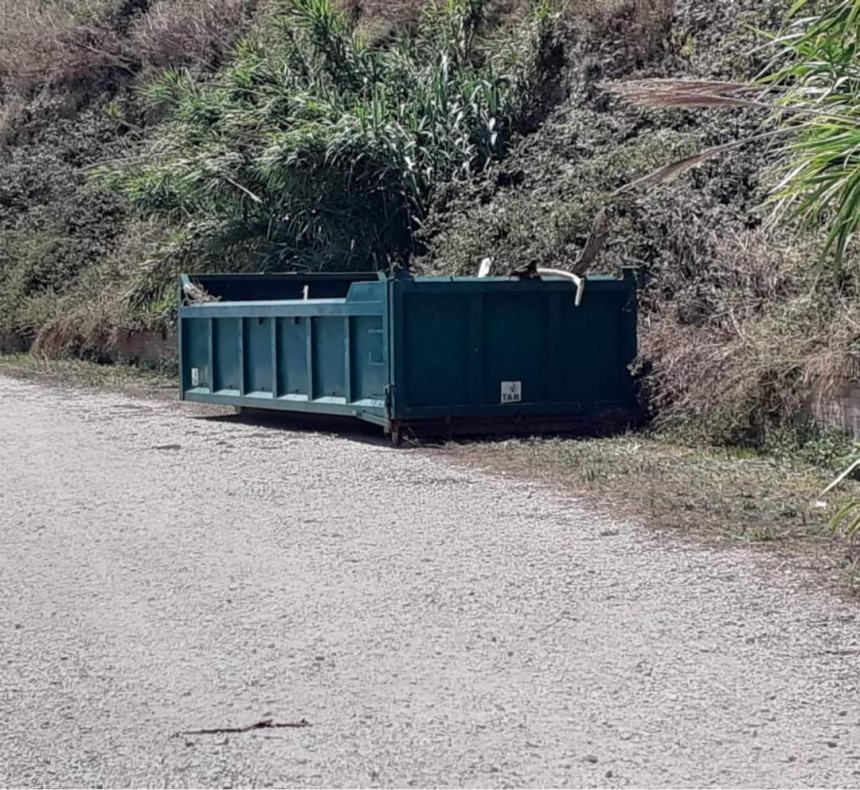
x=160, y=571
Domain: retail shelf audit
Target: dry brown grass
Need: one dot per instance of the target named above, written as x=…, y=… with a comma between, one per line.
x=136, y=379
x=78, y=41
x=43, y=44
x=74, y=41
x=93, y=315
x=755, y=340
x=189, y=31
x=828, y=368
x=88, y=331
x=665, y=93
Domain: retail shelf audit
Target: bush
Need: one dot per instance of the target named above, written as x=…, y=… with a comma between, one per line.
x=316, y=150
x=746, y=342
x=95, y=46
x=54, y=224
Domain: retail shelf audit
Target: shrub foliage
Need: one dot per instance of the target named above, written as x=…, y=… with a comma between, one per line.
x=822, y=72
x=318, y=149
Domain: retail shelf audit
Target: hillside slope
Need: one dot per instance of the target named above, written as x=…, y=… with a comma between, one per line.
x=738, y=319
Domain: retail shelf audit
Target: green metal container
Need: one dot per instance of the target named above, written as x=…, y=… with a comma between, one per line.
x=423, y=355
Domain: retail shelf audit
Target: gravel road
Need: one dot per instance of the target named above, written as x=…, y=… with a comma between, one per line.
x=163, y=571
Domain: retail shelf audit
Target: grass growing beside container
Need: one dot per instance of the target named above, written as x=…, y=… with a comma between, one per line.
x=138, y=379
x=732, y=496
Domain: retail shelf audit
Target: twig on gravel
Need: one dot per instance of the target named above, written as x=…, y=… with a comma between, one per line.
x=266, y=724
x=565, y=615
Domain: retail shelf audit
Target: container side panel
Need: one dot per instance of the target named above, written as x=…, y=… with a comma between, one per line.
x=594, y=369
x=195, y=354
x=292, y=356
x=496, y=349
x=367, y=366
x=328, y=356
x=514, y=348
x=227, y=374
x=436, y=349
x=258, y=356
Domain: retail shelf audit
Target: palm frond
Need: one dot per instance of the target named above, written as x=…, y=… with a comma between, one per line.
x=846, y=522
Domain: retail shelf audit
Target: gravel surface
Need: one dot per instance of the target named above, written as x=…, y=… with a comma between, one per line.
x=162, y=571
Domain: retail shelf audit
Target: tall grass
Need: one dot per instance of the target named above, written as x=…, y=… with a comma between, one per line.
x=189, y=32
x=821, y=70
x=316, y=149
x=63, y=42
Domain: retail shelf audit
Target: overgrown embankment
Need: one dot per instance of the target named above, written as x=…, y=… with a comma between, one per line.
x=69, y=76
x=743, y=324
x=138, y=138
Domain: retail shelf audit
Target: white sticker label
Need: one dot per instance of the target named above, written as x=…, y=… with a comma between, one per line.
x=512, y=391
x=195, y=377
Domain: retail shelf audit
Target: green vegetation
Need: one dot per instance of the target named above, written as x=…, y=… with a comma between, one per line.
x=69, y=74
x=316, y=148
x=729, y=494
x=823, y=107
x=846, y=522
x=823, y=184
x=82, y=373
x=817, y=87
x=817, y=99
x=138, y=137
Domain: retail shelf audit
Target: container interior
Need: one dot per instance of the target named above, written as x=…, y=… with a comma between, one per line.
x=279, y=287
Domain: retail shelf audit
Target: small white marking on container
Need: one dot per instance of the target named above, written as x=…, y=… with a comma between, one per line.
x=512, y=391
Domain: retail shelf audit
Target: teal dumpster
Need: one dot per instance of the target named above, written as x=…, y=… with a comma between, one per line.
x=414, y=355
